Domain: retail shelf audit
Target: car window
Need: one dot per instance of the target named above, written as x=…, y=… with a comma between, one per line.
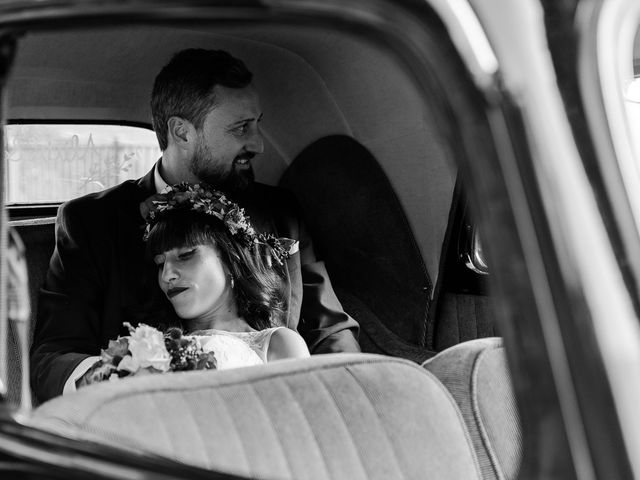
x=51, y=163
x=369, y=126
x=632, y=95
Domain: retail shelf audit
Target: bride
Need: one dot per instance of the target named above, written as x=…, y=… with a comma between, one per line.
x=224, y=280
x=218, y=280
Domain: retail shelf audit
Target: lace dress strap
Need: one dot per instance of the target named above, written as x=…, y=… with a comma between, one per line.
x=259, y=341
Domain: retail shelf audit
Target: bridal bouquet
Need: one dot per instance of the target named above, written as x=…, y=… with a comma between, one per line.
x=148, y=350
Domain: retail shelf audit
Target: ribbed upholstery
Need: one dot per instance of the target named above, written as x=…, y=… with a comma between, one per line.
x=375, y=337
x=328, y=417
x=38, y=239
x=462, y=317
x=39, y=242
x=477, y=376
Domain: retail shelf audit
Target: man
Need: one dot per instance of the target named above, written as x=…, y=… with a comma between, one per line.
x=206, y=115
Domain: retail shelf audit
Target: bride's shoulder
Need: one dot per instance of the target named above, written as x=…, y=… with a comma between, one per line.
x=286, y=343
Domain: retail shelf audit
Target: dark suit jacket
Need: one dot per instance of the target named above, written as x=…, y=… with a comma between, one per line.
x=94, y=279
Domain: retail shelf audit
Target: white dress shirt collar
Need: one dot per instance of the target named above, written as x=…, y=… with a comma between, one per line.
x=159, y=182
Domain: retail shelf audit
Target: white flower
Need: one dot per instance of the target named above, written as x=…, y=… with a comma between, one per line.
x=147, y=348
x=128, y=364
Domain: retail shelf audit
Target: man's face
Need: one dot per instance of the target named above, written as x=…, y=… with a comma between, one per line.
x=229, y=138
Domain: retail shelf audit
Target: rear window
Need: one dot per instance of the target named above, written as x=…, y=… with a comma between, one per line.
x=632, y=95
x=51, y=163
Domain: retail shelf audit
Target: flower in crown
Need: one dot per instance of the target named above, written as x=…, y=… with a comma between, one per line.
x=201, y=198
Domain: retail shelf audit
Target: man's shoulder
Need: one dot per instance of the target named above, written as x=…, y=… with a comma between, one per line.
x=103, y=202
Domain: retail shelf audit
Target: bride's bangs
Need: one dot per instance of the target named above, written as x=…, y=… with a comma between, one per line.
x=179, y=231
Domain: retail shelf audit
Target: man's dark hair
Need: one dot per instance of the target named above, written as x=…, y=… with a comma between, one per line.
x=184, y=87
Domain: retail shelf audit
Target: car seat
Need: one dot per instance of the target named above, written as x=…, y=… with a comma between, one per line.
x=334, y=416
x=477, y=375
x=360, y=231
x=39, y=241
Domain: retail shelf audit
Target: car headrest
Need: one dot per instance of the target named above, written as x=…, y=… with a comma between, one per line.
x=336, y=416
x=477, y=375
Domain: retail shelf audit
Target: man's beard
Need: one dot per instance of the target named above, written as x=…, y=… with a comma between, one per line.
x=233, y=180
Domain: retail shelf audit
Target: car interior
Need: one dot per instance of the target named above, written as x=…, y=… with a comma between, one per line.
x=349, y=130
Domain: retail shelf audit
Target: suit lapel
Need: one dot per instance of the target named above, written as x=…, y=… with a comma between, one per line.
x=131, y=248
x=146, y=185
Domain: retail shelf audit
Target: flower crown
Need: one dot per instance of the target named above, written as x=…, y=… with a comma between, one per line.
x=202, y=198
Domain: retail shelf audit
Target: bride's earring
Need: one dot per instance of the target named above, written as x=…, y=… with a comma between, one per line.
x=232, y=281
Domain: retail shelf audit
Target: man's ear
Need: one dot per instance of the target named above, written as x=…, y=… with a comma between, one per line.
x=180, y=132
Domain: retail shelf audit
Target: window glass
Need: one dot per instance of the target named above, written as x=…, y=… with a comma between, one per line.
x=632, y=97
x=476, y=259
x=55, y=162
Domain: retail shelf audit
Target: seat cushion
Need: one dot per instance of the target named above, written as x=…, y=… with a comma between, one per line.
x=338, y=416
x=477, y=375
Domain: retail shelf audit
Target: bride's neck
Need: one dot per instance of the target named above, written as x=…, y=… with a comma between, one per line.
x=228, y=320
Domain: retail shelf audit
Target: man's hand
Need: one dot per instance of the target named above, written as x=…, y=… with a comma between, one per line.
x=99, y=372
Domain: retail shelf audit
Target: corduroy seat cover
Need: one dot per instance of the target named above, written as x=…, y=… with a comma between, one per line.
x=476, y=374
x=38, y=239
x=338, y=416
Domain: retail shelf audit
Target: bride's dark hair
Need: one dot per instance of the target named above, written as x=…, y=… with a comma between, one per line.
x=259, y=289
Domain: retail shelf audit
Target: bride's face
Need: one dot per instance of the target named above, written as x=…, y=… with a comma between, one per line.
x=194, y=281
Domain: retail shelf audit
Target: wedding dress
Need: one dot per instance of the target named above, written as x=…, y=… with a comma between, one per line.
x=236, y=349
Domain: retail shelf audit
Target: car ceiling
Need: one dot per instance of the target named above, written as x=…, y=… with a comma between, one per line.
x=312, y=83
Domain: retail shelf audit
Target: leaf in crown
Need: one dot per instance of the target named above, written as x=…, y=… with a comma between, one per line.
x=204, y=199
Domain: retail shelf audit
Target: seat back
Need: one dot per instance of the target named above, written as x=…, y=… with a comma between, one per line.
x=39, y=241
x=461, y=310
x=477, y=376
x=335, y=416
x=360, y=230
x=461, y=317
